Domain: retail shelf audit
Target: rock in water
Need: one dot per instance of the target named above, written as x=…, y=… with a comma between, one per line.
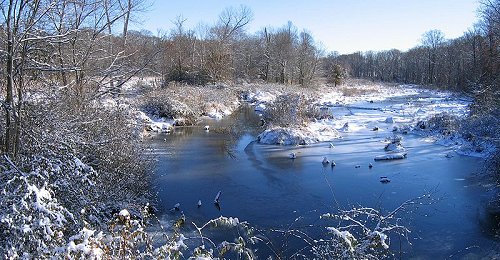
x=384, y=180
x=325, y=160
x=217, y=197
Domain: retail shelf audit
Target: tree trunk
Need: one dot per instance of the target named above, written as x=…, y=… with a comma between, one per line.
x=9, y=99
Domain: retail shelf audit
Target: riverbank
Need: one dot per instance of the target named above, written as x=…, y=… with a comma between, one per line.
x=330, y=112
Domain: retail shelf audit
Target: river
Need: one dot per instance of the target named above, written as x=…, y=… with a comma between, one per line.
x=262, y=185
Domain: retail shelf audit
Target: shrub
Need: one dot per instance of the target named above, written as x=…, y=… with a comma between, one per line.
x=291, y=110
x=77, y=163
x=161, y=103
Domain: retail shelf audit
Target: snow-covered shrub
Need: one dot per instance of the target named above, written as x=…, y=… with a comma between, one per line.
x=363, y=233
x=162, y=105
x=190, y=102
x=241, y=246
x=444, y=123
x=33, y=218
x=127, y=238
x=486, y=126
x=102, y=138
x=394, y=144
x=291, y=110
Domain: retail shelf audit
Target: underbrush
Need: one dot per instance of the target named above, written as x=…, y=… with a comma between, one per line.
x=79, y=164
x=188, y=102
x=443, y=123
x=291, y=110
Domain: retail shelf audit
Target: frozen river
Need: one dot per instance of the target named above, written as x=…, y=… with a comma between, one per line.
x=262, y=185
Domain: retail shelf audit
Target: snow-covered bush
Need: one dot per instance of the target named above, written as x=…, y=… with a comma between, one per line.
x=394, y=144
x=363, y=233
x=291, y=110
x=444, y=123
x=103, y=138
x=76, y=165
x=127, y=238
x=34, y=218
x=163, y=106
x=190, y=102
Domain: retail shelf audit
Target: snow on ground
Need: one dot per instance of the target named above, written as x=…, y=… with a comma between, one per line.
x=351, y=109
x=298, y=135
x=372, y=93
x=218, y=110
x=382, y=108
x=154, y=124
x=260, y=99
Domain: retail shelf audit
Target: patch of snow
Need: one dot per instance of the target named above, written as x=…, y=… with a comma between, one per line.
x=261, y=107
x=142, y=117
x=345, y=237
x=217, y=111
x=261, y=97
x=124, y=214
x=395, y=147
x=380, y=237
x=297, y=136
x=324, y=130
x=391, y=156
x=109, y=103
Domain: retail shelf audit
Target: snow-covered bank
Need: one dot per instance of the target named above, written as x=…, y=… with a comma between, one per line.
x=332, y=112
x=403, y=109
x=160, y=109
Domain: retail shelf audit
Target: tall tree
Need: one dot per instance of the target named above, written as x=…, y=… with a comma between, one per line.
x=431, y=40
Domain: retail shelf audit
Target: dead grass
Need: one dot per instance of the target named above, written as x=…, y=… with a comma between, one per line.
x=190, y=102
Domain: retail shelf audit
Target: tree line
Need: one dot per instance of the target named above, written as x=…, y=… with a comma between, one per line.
x=468, y=63
x=225, y=51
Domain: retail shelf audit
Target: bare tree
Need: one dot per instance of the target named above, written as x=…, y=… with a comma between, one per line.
x=431, y=40
x=230, y=26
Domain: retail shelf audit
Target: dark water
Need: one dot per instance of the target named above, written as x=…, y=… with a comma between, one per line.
x=261, y=185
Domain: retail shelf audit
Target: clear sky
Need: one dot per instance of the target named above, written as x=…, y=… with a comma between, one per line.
x=345, y=26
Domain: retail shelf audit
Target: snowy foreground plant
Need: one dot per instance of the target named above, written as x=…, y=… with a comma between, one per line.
x=127, y=238
x=33, y=221
x=363, y=233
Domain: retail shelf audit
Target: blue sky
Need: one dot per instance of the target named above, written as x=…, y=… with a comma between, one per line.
x=344, y=26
